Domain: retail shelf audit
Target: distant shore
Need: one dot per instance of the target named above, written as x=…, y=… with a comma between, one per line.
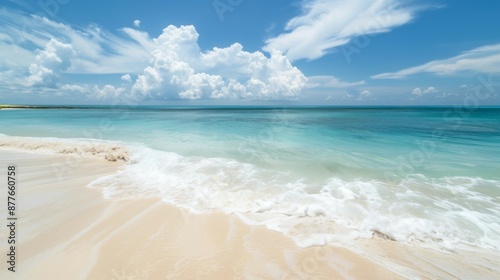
x=36, y=107
x=236, y=107
x=13, y=107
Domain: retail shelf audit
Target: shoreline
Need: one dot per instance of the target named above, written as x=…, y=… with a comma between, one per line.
x=68, y=231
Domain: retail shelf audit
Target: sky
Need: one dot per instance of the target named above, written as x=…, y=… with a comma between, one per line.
x=250, y=52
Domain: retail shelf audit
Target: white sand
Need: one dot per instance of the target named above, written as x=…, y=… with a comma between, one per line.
x=68, y=231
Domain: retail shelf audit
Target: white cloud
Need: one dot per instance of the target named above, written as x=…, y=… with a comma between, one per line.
x=126, y=78
x=137, y=23
x=169, y=66
x=73, y=88
x=365, y=95
x=106, y=92
x=330, y=82
x=99, y=52
x=484, y=59
x=54, y=59
x=326, y=24
x=179, y=69
x=347, y=95
x=419, y=92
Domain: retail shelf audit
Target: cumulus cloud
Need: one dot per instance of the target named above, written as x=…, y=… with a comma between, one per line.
x=330, y=82
x=178, y=69
x=419, y=92
x=106, y=92
x=54, y=59
x=326, y=24
x=484, y=59
x=126, y=78
x=170, y=66
x=137, y=23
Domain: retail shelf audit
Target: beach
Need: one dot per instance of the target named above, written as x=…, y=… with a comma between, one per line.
x=312, y=139
x=69, y=231
x=251, y=193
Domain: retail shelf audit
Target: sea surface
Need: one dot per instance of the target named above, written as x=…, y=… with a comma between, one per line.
x=425, y=176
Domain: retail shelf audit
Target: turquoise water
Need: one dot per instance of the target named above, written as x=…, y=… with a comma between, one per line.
x=424, y=175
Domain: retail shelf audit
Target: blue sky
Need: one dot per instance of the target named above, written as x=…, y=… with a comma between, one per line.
x=321, y=52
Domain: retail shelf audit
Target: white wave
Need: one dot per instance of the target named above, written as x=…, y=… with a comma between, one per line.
x=442, y=213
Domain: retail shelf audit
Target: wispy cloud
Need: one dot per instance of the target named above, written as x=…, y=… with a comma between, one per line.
x=484, y=59
x=99, y=51
x=326, y=24
x=330, y=82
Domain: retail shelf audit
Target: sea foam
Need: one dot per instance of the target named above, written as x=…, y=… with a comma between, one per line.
x=442, y=213
x=110, y=151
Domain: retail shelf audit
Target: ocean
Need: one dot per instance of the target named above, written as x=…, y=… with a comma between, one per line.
x=424, y=176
